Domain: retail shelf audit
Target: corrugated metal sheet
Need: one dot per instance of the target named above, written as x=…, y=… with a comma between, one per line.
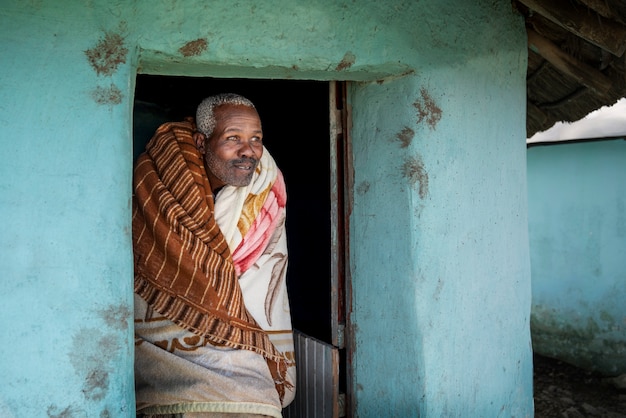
x=317, y=384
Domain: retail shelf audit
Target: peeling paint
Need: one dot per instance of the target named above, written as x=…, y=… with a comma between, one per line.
x=427, y=109
x=405, y=136
x=108, y=54
x=415, y=173
x=348, y=59
x=193, y=48
x=110, y=95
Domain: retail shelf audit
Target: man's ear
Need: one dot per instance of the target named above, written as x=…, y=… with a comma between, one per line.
x=200, y=140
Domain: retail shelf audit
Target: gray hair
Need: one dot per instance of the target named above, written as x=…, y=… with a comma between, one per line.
x=205, y=114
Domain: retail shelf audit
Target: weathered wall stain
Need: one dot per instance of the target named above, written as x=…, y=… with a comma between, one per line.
x=346, y=62
x=54, y=411
x=363, y=188
x=92, y=355
x=427, y=109
x=569, y=340
x=438, y=289
x=107, y=95
x=193, y=48
x=96, y=384
x=117, y=316
x=405, y=136
x=414, y=171
x=108, y=54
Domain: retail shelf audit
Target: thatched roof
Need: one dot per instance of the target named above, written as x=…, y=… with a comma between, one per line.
x=576, y=60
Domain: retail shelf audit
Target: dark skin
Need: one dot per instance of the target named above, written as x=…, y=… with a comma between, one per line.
x=235, y=147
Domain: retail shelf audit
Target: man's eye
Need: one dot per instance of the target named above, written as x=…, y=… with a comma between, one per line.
x=257, y=139
x=232, y=138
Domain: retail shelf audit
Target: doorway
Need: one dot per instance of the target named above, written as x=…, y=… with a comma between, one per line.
x=301, y=129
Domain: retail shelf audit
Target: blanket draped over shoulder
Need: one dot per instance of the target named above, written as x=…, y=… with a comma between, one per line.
x=188, y=257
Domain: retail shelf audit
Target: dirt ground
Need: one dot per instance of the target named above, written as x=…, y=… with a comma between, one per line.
x=564, y=391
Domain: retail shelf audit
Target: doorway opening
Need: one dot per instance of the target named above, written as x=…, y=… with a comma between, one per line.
x=298, y=119
x=295, y=120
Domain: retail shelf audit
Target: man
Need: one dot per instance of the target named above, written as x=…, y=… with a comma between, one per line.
x=213, y=332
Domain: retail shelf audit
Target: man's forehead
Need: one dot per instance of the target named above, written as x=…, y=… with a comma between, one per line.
x=229, y=113
x=226, y=108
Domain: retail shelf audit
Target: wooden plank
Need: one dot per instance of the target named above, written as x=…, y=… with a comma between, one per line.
x=600, y=6
x=602, y=32
x=336, y=196
x=583, y=73
x=339, y=176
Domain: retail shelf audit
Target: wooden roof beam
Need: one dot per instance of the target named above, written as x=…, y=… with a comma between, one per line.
x=604, y=33
x=583, y=73
x=599, y=6
x=536, y=114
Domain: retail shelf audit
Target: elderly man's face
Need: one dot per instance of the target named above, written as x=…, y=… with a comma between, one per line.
x=233, y=151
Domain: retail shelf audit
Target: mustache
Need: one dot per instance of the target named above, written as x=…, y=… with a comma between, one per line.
x=253, y=161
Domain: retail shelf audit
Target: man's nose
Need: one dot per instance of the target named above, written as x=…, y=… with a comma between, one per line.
x=247, y=149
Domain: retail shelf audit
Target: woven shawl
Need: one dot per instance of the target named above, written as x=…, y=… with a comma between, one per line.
x=183, y=264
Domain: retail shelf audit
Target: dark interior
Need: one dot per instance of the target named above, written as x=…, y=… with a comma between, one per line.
x=295, y=120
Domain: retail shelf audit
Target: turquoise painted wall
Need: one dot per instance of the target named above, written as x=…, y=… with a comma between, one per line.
x=439, y=258
x=440, y=268
x=577, y=224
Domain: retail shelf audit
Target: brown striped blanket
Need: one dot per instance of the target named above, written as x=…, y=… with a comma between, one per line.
x=196, y=258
